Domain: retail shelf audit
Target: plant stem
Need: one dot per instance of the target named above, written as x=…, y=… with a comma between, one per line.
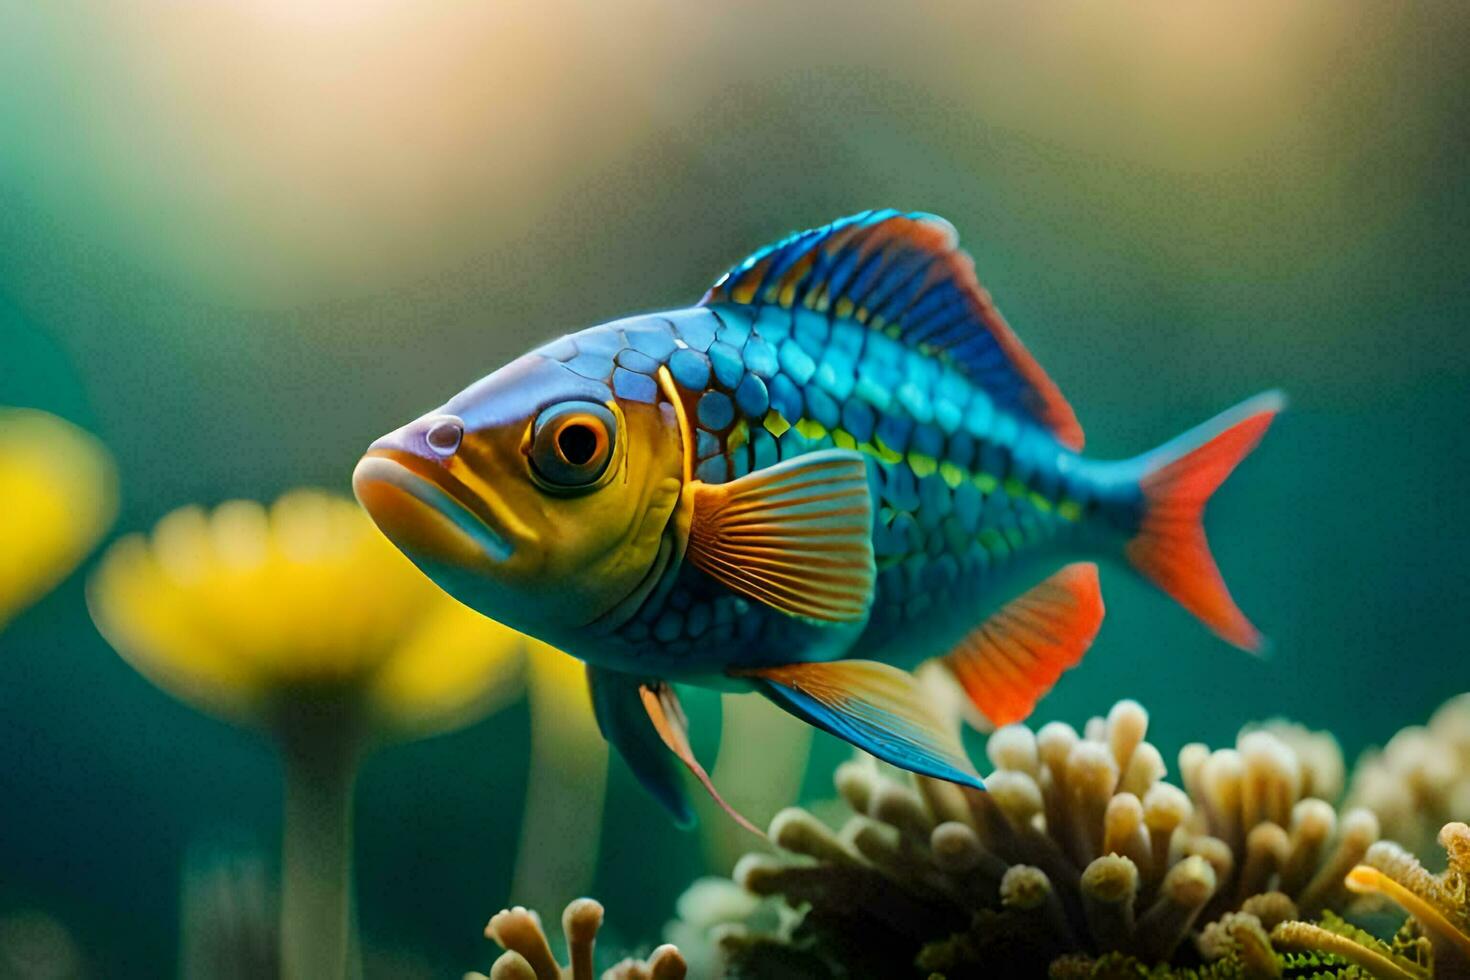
x=316, y=857
x=560, y=828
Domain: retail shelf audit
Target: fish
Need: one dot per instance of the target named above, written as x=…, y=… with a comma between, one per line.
x=840, y=464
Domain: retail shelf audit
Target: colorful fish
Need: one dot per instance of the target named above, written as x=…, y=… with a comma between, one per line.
x=839, y=464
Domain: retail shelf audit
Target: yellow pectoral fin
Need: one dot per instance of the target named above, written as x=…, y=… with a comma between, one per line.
x=796, y=536
x=1013, y=658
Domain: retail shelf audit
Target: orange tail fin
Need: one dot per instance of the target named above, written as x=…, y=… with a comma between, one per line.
x=1170, y=547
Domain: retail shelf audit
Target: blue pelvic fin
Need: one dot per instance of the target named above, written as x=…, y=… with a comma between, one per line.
x=878, y=708
x=796, y=536
x=624, y=723
x=904, y=274
x=645, y=723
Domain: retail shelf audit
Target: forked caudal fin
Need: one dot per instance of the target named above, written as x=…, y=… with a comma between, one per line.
x=1178, y=478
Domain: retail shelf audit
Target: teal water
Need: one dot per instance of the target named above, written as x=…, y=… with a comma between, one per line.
x=237, y=309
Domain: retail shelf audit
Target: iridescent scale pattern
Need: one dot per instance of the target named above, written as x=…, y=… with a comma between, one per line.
x=961, y=489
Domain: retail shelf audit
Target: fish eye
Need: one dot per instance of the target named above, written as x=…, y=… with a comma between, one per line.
x=572, y=444
x=444, y=436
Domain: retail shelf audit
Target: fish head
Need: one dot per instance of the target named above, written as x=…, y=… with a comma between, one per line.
x=535, y=496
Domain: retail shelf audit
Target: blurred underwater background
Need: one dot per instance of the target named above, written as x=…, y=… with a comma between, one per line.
x=238, y=242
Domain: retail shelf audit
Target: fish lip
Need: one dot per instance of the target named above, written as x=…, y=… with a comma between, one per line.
x=433, y=486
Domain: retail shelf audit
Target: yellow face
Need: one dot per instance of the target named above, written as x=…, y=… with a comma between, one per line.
x=534, y=496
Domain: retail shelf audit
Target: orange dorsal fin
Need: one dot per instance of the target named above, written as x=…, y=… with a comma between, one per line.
x=796, y=536
x=1007, y=663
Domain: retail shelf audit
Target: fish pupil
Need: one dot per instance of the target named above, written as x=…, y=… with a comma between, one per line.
x=577, y=443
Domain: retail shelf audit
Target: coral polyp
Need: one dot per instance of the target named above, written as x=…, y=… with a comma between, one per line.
x=528, y=954
x=1080, y=860
x=1420, y=779
x=1438, y=904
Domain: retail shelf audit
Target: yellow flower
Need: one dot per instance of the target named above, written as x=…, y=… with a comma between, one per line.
x=242, y=610
x=303, y=621
x=57, y=495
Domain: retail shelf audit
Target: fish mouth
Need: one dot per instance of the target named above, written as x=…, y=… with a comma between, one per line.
x=424, y=509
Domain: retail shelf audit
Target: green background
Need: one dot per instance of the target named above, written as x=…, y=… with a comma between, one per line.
x=239, y=242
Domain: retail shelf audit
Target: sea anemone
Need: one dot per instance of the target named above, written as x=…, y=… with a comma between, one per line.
x=1078, y=859
x=1439, y=905
x=1420, y=780
x=304, y=622
x=528, y=955
x=1435, y=942
x=60, y=495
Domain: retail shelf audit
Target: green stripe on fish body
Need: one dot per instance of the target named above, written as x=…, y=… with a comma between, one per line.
x=871, y=447
x=967, y=498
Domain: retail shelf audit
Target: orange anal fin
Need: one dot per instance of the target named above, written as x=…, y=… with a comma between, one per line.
x=668, y=718
x=796, y=536
x=1007, y=663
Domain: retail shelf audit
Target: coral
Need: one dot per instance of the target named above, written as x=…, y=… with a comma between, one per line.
x=1420, y=780
x=60, y=494
x=528, y=955
x=1336, y=942
x=1078, y=858
x=716, y=913
x=1439, y=904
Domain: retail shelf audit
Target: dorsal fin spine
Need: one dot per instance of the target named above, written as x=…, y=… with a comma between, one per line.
x=844, y=265
x=904, y=275
x=900, y=282
x=925, y=310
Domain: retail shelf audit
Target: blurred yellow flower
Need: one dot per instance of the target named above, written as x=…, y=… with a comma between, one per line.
x=59, y=494
x=242, y=609
x=302, y=620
